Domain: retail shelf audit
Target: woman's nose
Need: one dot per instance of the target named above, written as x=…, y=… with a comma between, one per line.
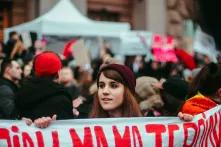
x=105, y=90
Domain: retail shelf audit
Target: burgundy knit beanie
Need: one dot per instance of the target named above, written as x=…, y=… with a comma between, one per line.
x=47, y=64
x=126, y=73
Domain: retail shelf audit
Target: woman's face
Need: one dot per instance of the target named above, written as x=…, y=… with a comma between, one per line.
x=110, y=93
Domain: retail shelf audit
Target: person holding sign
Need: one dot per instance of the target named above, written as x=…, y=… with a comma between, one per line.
x=205, y=12
x=115, y=97
x=42, y=95
x=205, y=91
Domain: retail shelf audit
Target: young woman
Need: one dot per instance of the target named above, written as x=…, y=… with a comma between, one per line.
x=115, y=95
x=116, y=89
x=205, y=92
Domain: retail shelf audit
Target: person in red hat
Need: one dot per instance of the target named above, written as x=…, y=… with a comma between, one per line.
x=41, y=95
x=205, y=92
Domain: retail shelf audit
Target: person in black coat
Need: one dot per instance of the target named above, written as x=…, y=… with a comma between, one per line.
x=9, y=78
x=10, y=44
x=41, y=95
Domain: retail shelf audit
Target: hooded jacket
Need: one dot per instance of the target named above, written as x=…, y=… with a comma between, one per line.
x=198, y=104
x=39, y=97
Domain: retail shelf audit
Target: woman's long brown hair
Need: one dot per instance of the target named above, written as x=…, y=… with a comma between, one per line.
x=129, y=108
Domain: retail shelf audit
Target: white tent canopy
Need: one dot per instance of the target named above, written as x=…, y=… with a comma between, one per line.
x=65, y=20
x=136, y=43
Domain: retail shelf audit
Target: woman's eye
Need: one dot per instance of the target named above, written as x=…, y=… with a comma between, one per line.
x=113, y=85
x=101, y=85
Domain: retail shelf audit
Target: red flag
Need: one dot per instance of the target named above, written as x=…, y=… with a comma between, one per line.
x=187, y=59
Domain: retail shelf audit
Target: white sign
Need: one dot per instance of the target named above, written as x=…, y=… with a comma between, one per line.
x=204, y=130
x=26, y=38
x=136, y=43
x=205, y=44
x=81, y=54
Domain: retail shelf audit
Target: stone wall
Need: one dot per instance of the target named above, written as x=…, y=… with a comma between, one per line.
x=177, y=12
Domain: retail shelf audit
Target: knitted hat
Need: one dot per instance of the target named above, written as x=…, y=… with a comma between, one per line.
x=144, y=87
x=148, y=95
x=127, y=75
x=176, y=87
x=47, y=64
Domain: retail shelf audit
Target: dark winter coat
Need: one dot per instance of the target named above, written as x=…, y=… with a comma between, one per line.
x=8, y=91
x=39, y=97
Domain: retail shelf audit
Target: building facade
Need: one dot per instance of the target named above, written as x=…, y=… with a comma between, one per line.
x=152, y=15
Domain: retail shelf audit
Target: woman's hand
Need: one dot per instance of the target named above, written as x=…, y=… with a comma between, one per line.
x=28, y=121
x=185, y=117
x=44, y=122
x=76, y=103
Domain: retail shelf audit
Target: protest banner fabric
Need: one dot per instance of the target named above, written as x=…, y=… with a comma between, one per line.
x=204, y=130
x=205, y=44
x=163, y=48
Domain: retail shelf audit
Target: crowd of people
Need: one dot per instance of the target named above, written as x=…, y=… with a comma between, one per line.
x=41, y=86
x=47, y=86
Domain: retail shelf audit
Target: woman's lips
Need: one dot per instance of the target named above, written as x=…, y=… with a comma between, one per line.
x=106, y=99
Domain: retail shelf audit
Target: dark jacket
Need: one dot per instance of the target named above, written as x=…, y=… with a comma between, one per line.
x=39, y=97
x=9, y=47
x=7, y=99
x=74, y=91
